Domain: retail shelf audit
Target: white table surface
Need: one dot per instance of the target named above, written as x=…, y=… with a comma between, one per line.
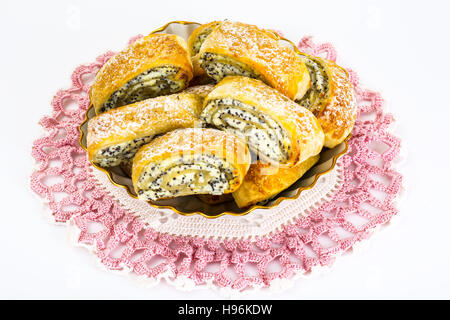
x=399, y=48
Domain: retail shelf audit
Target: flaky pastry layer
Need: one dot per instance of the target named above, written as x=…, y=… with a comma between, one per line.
x=275, y=127
x=264, y=181
x=116, y=135
x=235, y=48
x=190, y=161
x=331, y=98
x=153, y=65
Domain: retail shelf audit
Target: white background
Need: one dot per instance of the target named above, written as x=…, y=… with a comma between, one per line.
x=399, y=48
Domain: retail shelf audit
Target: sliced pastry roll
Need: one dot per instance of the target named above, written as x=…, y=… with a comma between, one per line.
x=331, y=98
x=264, y=181
x=190, y=161
x=195, y=42
x=275, y=127
x=116, y=135
x=155, y=65
x=235, y=48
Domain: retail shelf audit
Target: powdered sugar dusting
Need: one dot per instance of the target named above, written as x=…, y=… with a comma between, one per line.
x=143, y=54
x=279, y=65
x=197, y=140
x=202, y=90
x=145, y=118
x=338, y=116
x=270, y=101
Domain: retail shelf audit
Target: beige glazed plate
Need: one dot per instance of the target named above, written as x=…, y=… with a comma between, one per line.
x=191, y=205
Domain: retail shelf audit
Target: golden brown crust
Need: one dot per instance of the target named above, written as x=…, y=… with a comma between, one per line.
x=142, y=119
x=201, y=90
x=336, y=113
x=263, y=181
x=144, y=54
x=198, y=71
x=195, y=34
x=305, y=131
x=193, y=141
x=280, y=66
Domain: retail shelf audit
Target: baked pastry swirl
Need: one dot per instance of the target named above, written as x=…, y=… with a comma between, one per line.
x=195, y=42
x=264, y=181
x=260, y=95
x=158, y=64
x=190, y=161
x=234, y=48
x=331, y=98
x=275, y=127
x=115, y=136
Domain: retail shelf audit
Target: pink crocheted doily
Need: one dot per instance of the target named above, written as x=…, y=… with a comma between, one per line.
x=364, y=201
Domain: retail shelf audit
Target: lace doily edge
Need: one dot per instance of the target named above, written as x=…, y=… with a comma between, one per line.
x=184, y=283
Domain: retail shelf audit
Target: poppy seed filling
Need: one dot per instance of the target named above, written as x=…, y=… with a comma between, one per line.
x=149, y=84
x=218, y=67
x=201, y=37
x=116, y=154
x=185, y=175
x=262, y=133
x=319, y=88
